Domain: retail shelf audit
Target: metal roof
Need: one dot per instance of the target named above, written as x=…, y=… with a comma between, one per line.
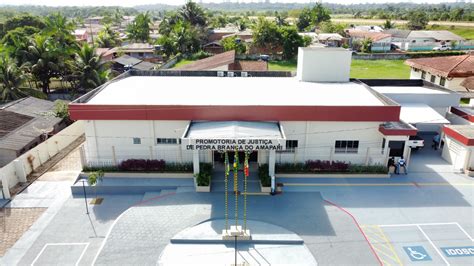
x=26, y=130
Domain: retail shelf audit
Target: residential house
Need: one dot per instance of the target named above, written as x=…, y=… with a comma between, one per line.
x=217, y=34
x=26, y=123
x=226, y=62
x=108, y=54
x=126, y=62
x=381, y=42
x=447, y=71
x=142, y=51
x=214, y=47
x=81, y=35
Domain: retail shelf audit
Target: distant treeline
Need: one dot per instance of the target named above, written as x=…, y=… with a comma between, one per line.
x=441, y=12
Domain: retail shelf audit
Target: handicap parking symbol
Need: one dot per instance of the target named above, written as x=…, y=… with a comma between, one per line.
x=417, y=253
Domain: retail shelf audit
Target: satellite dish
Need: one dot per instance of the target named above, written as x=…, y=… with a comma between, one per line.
x=44, y=127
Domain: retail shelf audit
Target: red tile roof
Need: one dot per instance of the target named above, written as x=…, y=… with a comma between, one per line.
x=445, y=66
x=212, y=62
x=468, y=83
x=374, y=36
x=249, y=66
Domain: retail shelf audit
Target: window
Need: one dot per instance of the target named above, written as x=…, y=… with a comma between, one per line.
x=137, y=141
x=291, y=145
x=346, y=146
x=442, y=81
x=140, y=54
x=423, y=75
x=167, y=141
x=433, y=78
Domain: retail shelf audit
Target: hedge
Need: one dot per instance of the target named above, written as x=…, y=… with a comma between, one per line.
x=327, y=167
x=146, y=166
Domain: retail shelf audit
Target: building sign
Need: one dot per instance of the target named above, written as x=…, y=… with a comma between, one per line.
x=458, y=251
x=233, y=144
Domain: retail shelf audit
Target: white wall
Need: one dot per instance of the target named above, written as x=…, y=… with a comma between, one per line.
x=324, y=64
x=316, y=141
x=453, y=84
x=17, y=170
x=454, y=153
x=111, y=141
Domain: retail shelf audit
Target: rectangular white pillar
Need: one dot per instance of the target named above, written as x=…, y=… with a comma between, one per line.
x=5, y=187
x=20, y=170
x=271, y=163
x=196, y=162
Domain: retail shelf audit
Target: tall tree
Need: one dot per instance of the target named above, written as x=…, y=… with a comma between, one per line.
x=44, y=60
x=266, y=33
x=417, y=20
x=11, y=80
x=233, y=43
x=388, y=24
x=139, y=29
x=291, y=41
x=21, y=21
x=88, y=68
x=313, y=16
x=108, y=38
x=193, y=13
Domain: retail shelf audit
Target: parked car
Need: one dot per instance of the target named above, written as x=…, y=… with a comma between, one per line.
x=416, y=142
x=443, y=47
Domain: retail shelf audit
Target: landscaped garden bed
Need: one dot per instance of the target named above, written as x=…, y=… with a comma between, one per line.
x=203, y=178
x=328, y=168
x=265, y=178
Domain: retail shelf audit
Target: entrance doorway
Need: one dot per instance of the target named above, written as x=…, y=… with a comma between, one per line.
x=396, y=148
x=220, y=158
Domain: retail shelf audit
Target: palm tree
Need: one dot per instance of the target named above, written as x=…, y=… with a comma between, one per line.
x=88, y=68
x=193, y=13
x=139, y=29
x=44, y=60
x=11, y=80
x=107, y=38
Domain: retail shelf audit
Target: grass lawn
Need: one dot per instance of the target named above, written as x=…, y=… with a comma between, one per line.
x=369, y=69
x=183, y=62
x=380, y=69
x=282, y=65
x=465, y=32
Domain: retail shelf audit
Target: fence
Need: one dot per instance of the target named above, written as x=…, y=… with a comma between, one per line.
x=364, y=156
x=17, y=170
x=428, y=46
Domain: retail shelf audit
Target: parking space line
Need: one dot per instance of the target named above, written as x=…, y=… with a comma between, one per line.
x=62, y=244
x=420, y=224
x=464, y=231
x=382, y=245
x=433, y=245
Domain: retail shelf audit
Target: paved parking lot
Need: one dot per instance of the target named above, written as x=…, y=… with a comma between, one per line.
x=424, y=218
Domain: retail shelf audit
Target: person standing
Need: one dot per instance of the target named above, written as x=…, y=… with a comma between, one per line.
x=402, y=163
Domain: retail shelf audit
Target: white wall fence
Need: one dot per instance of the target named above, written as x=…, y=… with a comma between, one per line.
x=17, y=170
x=428, y=46
x=364, y=156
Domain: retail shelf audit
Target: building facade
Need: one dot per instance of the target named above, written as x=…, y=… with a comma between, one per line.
x=188, y=116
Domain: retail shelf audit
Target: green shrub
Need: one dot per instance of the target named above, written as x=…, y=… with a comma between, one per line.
x=204, y=176
x=167, y=168
x=324, y=167
x=264, y=176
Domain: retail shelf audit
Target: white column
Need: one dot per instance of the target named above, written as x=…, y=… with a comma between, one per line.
x=271, y=163
x=196, y=161
x=5, y=187
x=114, y=156
x=82, y=154
x=20, y=170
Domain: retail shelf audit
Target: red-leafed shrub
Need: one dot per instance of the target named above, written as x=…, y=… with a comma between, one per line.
x=142, y=165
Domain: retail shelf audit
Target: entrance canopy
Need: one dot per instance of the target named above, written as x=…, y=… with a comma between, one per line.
x=231, y=135
x=421, y=114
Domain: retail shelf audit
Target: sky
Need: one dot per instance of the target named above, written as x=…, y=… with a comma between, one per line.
x=179, y=2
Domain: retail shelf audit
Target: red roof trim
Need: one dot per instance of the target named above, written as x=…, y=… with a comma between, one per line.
x=458, y=136
x=397, y=132
x=462, y=114
x=243, y=113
